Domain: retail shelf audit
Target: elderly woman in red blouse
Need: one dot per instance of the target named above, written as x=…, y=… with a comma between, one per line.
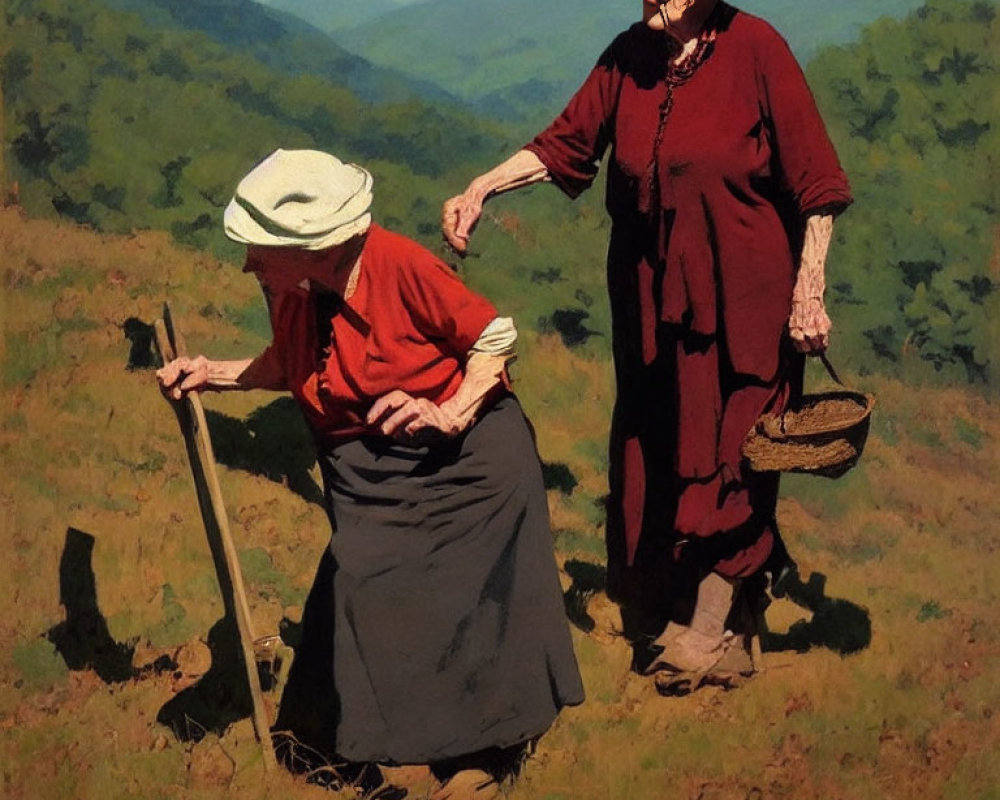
x=722, y=187
x=434, y=632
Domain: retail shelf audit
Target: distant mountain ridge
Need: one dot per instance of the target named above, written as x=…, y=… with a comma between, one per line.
x=338, y=15
x=527, y=60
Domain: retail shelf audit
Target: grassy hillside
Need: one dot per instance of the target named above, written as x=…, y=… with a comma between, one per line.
x=881, y=670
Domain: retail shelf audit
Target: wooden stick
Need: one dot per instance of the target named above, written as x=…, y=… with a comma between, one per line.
x=191, y=416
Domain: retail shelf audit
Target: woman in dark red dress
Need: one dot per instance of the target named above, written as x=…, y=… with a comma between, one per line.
x=722, y=187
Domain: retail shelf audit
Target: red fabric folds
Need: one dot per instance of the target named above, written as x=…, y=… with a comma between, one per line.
x=409, y=325
x=700, y=278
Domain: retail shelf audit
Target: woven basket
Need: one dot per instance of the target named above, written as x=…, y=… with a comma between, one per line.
x=823, y=434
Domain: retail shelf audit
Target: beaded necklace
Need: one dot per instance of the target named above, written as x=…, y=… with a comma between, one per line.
x=677, y=74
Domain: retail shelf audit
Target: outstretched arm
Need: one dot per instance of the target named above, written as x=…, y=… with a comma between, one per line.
x=461, y=213
x=183, y=375
x=808, y=324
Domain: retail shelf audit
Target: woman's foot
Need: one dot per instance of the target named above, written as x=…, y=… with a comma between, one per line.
x=693, y=651
x=728, y=671
x=705, y=652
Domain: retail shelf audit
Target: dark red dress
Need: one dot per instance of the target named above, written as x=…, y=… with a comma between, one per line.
x=713, y=167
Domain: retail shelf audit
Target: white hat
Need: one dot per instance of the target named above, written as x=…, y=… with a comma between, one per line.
x=300, y=198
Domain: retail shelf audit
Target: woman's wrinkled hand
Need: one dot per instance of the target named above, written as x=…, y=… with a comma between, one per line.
x=809, y=326
x=411, y=419
x=183, y=375
x=459, y=218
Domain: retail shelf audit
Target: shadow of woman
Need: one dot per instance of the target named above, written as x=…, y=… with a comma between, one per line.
x=83, y=638
x=587, y=580
x=836, y=624
x=273, y=442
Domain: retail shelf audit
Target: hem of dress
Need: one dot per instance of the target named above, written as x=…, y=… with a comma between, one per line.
x=526, y=734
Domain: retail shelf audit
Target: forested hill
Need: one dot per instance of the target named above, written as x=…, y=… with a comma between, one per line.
x=123, y=124
x=913, y=111
x=332, y=16
x=282, y=41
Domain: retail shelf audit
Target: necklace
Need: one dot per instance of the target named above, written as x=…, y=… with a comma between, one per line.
x=678, y=72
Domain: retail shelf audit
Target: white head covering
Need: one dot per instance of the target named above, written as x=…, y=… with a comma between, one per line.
x=300, y=198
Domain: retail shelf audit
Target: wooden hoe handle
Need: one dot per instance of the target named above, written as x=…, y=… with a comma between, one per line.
x=191, y=416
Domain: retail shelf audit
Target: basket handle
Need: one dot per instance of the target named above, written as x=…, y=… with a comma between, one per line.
x=830, y=369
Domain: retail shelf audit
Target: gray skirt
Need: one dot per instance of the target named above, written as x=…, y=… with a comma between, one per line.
x=435, y=627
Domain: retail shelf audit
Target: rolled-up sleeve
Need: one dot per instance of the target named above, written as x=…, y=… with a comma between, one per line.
x=497, y=339
x=571, y=147
x=266, y=371
x=806, y=156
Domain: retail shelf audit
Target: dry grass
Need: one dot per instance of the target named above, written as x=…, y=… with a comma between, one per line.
x=94, y=464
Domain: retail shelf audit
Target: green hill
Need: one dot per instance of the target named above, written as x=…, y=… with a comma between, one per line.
x=913, y=110
x=283, y=42
x=123, y=124
x=343, y=14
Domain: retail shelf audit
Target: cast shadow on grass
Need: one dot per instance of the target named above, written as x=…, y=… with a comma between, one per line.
x=836, y=624
x=219, y=698
x=83, y=638
x=273, y=442
x=587, y=580
x=557, y=475
x=140, y=336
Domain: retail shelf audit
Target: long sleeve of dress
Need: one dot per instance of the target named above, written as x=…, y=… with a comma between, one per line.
x=808, y=162
x=572, y=146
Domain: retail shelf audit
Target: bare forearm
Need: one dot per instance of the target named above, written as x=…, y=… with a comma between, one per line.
x=223, y=376
x=200, y=374
x=808, y=323
x=521, y=169
x=483, y=375
x=460, y=214
x=811, y=281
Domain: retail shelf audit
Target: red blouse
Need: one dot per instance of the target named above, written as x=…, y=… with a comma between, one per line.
x=408, y=325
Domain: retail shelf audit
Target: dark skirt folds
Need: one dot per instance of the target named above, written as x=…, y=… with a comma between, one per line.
x=435, y=627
